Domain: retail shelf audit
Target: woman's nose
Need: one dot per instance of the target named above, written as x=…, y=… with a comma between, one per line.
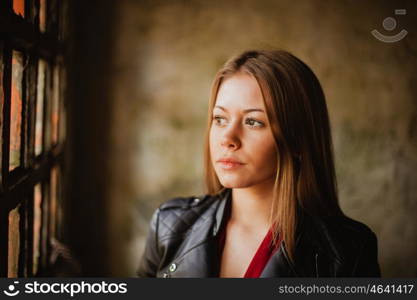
x=230, y=140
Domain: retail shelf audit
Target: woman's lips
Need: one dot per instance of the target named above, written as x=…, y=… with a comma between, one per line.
x=229, y=164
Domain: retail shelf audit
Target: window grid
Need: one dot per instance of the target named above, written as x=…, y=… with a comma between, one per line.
x=30, y=194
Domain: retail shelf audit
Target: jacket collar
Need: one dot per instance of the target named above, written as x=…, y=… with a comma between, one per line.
x=222, y=209
x=205, y=260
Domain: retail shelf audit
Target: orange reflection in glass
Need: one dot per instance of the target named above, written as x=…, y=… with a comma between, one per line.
x=16, y=110
x=14, y=242
x=42, y=15
x=62, y=120
x=1, y=82
x=44, y=225
x=55, y=106
x=36, y=226
x=53, y=203
x=19, y=7
x=47, y=126
x=39, y=106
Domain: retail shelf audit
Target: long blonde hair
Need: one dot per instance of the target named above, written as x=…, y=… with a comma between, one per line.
x=296, y=108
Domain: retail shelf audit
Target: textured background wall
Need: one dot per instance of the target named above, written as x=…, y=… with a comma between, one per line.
x=167, y=54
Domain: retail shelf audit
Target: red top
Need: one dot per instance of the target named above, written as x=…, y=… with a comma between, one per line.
x=261, y=257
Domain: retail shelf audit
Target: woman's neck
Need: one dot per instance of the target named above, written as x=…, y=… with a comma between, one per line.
x=251, y=207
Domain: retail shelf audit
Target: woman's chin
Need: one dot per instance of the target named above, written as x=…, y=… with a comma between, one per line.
x=234, y=184
x=240, y=182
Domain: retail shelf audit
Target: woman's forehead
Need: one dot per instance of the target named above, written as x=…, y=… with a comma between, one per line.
x=240, y=91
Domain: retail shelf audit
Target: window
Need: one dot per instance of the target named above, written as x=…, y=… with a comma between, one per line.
x=32, y=134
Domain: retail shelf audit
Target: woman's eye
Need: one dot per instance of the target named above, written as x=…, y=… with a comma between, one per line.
x=219, y=121
x=254, y=123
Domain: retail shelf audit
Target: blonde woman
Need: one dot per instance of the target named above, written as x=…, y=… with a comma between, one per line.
x=271, y=208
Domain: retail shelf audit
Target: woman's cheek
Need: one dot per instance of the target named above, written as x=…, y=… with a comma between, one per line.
x=267, y=154
x=212, y=144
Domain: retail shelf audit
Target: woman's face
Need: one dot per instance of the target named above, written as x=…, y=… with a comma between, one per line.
x=242, y=147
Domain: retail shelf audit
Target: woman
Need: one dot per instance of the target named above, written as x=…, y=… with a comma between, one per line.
x=272, y=207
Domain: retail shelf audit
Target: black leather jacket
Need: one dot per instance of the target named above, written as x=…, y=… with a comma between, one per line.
x=183, y=242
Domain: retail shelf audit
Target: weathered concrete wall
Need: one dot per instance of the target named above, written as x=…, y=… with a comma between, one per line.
x=169, y=51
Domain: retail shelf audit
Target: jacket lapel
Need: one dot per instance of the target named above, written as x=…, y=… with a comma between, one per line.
x=279, y=266
x=201, y=259
x=305, y=258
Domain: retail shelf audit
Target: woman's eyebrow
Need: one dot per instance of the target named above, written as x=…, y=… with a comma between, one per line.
x=245, y=110
x=253, y=109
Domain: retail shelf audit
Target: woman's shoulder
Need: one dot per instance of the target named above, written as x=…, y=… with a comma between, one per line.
x=178, y=215
x=347, y=227
x=188, y=203
x=345, y=237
